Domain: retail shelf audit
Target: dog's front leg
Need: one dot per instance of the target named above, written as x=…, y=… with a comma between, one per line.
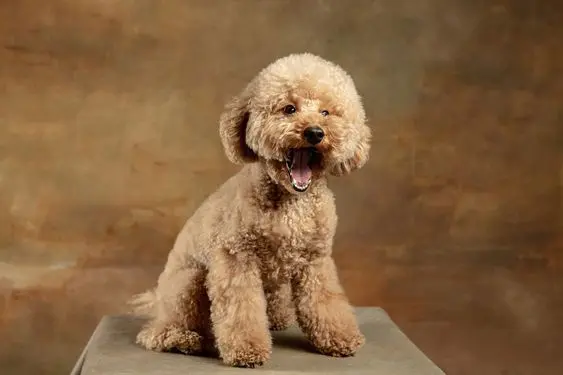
x=323, y=311
x=238, y=311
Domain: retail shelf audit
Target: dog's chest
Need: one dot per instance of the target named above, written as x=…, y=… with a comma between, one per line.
x=292, y=235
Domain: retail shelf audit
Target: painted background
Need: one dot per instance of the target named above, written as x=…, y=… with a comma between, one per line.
x=108, y=141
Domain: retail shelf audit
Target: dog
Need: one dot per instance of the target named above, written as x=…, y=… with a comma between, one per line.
x=256, y=255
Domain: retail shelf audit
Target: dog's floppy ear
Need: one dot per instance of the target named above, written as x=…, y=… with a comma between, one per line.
x=232, y=129
x=360, y=154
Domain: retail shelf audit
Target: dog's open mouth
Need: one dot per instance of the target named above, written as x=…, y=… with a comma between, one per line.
x=299, y=163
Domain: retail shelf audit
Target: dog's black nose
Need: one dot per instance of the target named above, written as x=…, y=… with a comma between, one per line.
x=314, y=134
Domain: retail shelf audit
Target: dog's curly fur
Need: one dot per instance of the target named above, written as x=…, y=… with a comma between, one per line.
x=257, y=253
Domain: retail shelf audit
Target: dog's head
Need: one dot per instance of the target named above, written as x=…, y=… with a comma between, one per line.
x=302, y=117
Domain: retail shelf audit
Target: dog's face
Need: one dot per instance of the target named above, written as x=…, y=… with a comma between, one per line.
x=302, y=117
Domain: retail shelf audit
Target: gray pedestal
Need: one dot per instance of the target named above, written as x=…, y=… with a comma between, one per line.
x=112, y=351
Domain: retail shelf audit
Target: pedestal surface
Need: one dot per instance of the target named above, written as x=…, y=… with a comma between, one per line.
x=112, y=351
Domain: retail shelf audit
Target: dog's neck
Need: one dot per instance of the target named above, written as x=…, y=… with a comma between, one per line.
x=271, y=195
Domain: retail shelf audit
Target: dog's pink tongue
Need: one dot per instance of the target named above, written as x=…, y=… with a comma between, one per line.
x=300, y=172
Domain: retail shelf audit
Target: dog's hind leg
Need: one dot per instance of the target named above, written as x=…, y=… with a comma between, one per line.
x=180, y=320
x=280, y=309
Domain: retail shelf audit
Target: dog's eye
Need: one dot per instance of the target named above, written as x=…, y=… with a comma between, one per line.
x=324, y=113
x=289, y=109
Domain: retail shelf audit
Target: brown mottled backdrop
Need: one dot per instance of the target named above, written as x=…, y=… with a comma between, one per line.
x=108, y=141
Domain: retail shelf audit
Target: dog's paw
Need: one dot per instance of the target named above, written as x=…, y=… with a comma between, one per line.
x=246, y=354
x=171, y=339
x=340, y=344
x=187, y=342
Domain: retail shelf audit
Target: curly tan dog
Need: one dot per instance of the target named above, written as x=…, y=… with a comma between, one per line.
x=257, y=252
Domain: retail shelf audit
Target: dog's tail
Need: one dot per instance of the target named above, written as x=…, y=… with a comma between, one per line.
x=142, y=304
